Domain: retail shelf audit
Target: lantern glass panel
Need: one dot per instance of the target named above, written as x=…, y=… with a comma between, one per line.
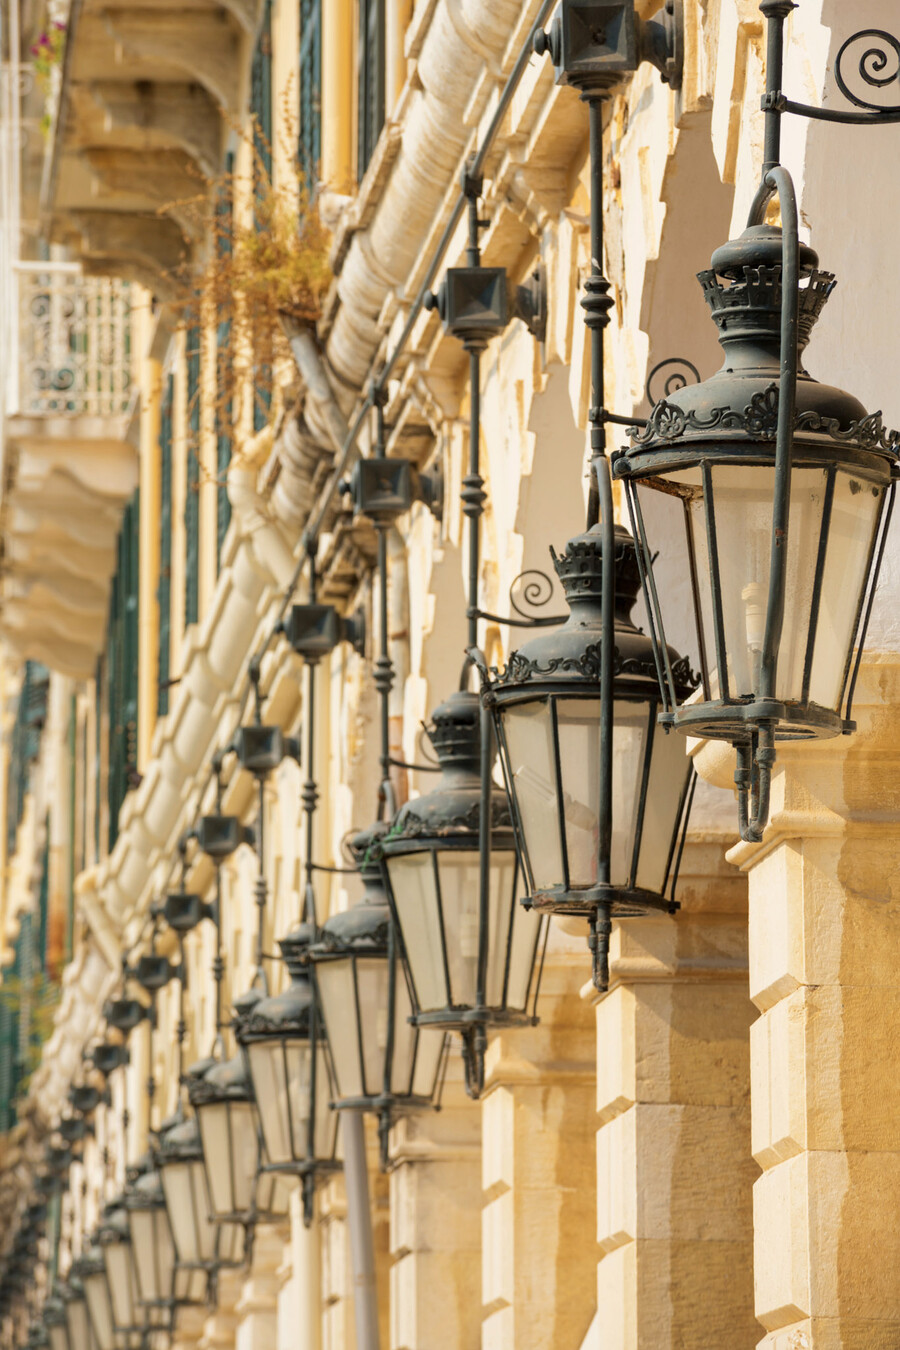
x=417, y=1051
x=830, y=541
x=59, y=1337
x=547, y=783
x=189, y=1285
x=81, y=1336
x=372, y=991
x=281, y=1082
x=231, y=1152
x=855, y=512
x=339, y=1007
x=97, y=1297
x=151, y=1241
x=669, y=771
x=414, y=884
x=120, y=1274
x=187, y=1200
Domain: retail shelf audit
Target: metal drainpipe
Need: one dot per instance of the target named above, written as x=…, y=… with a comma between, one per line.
x=362, y=1242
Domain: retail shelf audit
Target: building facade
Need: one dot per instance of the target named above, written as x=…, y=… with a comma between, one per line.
x=706, y=1154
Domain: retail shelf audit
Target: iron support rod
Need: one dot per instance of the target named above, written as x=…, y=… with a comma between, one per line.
x=310, y=788
x=359, y=1218
x=780, y=179
x=775, y=11
x=473, y=489
x=384, y=669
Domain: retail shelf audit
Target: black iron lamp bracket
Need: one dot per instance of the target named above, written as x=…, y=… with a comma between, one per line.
x=593, y=46
x=877, y=54
x=218, y=836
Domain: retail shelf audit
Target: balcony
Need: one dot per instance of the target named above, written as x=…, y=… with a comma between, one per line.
x=68, y=468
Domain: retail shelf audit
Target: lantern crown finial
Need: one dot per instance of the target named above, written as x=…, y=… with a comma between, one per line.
x=743, y=288
x=455, y=731
x=580, y=570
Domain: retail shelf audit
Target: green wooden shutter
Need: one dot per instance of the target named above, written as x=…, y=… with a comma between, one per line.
x=25, y=744
x=122, y=667
x=224, y=410
x=310, y=138
x=261, y=96
x=192, y=486
x=164, y=587
x=44, y=899
x=371, y=80
x=261, y=111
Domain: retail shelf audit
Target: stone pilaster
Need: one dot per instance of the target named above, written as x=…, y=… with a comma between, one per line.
x=220, y=1329
x=538, y=1257
x=338, y=1329
x=825, y=975
x=674, y=1173
x=435, y=1230
x=257, y=1307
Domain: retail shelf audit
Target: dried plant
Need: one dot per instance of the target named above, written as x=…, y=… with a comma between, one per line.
x=266, y=256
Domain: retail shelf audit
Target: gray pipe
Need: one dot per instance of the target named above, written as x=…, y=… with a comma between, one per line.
x=362, y=1243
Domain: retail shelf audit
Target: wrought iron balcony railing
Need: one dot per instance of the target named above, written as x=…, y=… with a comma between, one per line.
x=74, y=341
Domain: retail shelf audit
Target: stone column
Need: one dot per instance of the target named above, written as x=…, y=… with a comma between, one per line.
x=674, y=1173
x=435, y=1229
x=257, y=1307
x=825, y=975
x=538, y=1254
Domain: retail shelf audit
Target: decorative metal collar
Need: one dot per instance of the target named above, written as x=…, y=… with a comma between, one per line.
x=667, y=422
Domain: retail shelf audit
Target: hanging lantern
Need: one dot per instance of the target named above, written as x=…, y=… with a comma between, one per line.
x=200, y=1242
x=468, y=969
x=382, y=1063
x=161, y=1284
x=91, y=1269
x=78, y=1323
x=239, y=1192
x=55, y=1321
x=287, y=1055
x=547, y=711
x=779, y=546
x=114, y=1240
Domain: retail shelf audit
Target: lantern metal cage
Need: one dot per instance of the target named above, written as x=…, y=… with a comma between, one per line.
x=382, y=1062
x=201, y=1243
x=162, y=1285
x=471, y=950
x=114, y=1240
x=283, y=1040
x=240, y=1191
x=779, y=489
x=546, y=706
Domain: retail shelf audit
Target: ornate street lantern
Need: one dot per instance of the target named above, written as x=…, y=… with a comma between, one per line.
x=161, y=1284
x=78, y=1323
x=287, y=1055
x=468, y=969
x=114, y=1240
x=382, y=1063
x=92, y=1270
x=547, y=712
x=54, y=1315
x=779, y=488
x=200, y=1242
x=239, y=1192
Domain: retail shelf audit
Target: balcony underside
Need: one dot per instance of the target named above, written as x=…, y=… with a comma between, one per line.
x=149, y=91
x=67, y=481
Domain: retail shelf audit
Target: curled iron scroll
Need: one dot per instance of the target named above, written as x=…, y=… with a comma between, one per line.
x=534, y=588
x=679, y=372
x=880, y=55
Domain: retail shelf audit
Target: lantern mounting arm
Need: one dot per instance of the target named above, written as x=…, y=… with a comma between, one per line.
x=310, y=790
x=881, y=53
